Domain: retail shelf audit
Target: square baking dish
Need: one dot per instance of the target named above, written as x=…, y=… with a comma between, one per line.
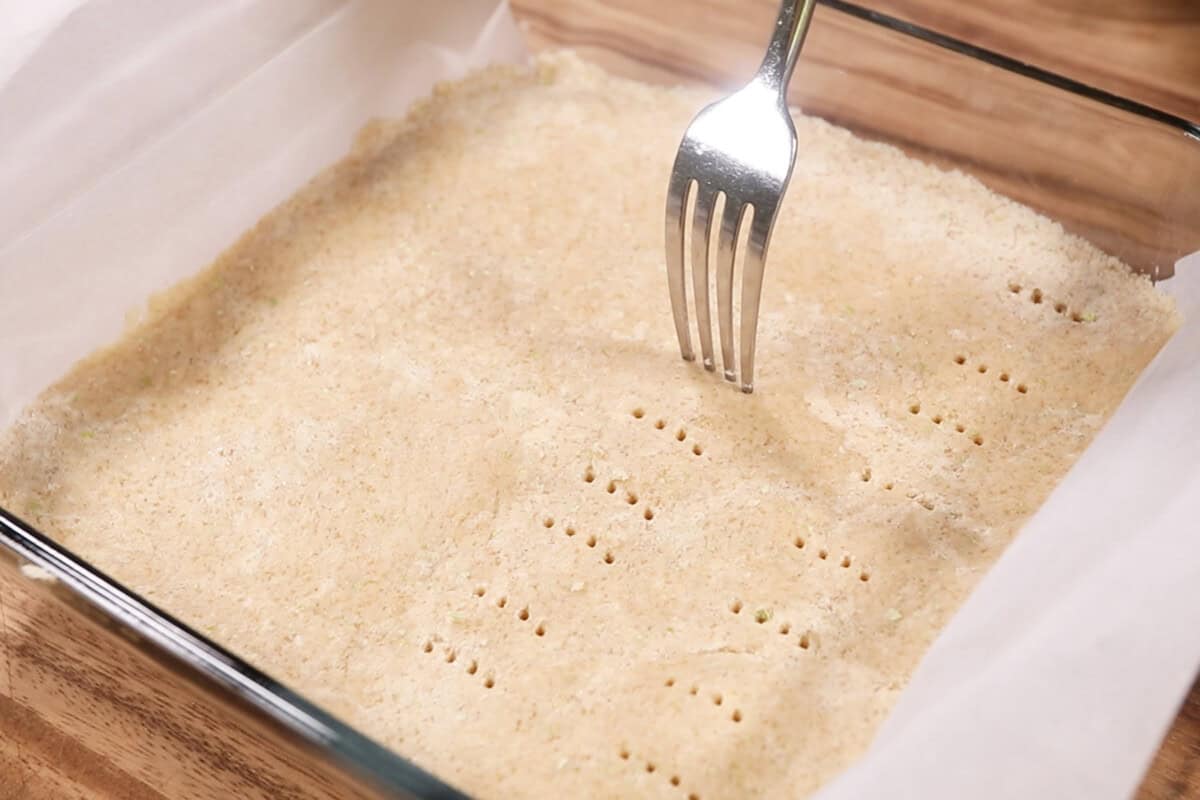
x=80, y=646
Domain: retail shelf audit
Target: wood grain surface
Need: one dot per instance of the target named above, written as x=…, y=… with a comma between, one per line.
x=83, y=715
x=86, y=713
x=1148, y=50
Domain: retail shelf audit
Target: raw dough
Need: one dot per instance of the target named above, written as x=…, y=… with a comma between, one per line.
x=421, y=444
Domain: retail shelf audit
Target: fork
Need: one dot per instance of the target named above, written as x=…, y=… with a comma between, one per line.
x=740, y=148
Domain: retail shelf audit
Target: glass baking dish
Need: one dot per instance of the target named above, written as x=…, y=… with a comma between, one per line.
x=1118, y=173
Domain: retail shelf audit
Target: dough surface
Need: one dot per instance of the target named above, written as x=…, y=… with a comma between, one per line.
x=421, y=446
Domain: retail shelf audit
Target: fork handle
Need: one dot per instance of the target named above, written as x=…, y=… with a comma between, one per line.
x=790, y=30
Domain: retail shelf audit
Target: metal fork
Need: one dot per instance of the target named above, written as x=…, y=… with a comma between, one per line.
x=741, y=148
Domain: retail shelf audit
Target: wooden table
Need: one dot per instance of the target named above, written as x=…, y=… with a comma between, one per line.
x=133, y=715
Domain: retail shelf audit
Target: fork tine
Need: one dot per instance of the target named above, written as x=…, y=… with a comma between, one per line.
x=677, y=192
x=731, y=222
x=752, y=280
x=706, y=200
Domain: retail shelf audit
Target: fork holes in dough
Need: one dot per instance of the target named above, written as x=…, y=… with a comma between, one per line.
x=480, y=591
x=978, y=440
x=1036, y=296
x=588, y=475
x=799, y=542
x=472, y=668
x=548, y=522
x=1015, y=288
x=648, y=514
x=501, y=602
x=427, y=647
x=489, y=682
x=591, y=540
x=1022, y=388
x=608, y=558
x=736, y=606
x=697, y=450
x=680, y=434
x=523, y=614
x=611, y=488
x=736, y=716
x=540, y=630
x=822, y=554
x=982, y=368
x=805, y=642
x=638, y=413
x=785, y=629
x=631, y=498
x=845, y=562
x=915, y=408
x=660, y=424
x=864, y=576
x=960, y=359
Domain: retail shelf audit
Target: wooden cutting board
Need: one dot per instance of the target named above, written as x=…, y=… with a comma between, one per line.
x=1146, y=50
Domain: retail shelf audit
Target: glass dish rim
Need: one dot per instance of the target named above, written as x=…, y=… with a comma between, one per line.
x=219, y=669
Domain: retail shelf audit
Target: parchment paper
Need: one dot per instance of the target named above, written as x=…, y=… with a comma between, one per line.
x=140, y=139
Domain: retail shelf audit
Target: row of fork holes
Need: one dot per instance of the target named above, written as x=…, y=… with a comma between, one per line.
x=938, y=419
x=717, y=698
x=523, y=614
x=631, y=497
x=472, y=666
x=888, y=486
x=661, y=424
x=651, y=767
x=823, y=554
x=762, y=617
x=1038, y=298
x=590, y=540
x=982, y=369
